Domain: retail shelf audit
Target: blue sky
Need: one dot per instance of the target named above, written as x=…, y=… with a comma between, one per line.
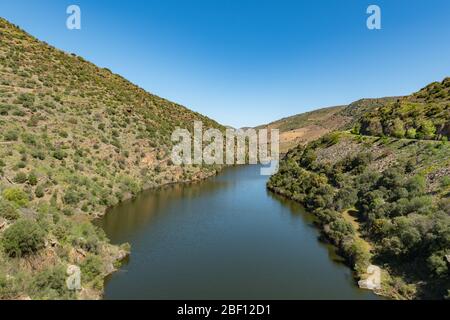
x=248, y=62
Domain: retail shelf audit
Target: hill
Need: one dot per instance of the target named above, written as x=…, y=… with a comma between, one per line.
x=75, y=139
x=305, y=127
x=422, y=115
x=383, y=200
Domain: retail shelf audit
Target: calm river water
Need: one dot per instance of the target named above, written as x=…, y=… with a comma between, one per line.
x=223, y=238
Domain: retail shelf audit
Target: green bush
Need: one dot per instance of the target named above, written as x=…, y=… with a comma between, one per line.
x=38, y=154
x=339, y=229
x=11, y=135
x=20, y=178
x=438, y=264
x=40, y=191
x=426, y=129
x=59, y=154
x=4, y=109
x=50, y=284
x=8, y=211
x=411, y=133
x=396, y=128
x=23, y=238
x=32, y=179
x=16, y=195
x=71, y=196
x=91, y=268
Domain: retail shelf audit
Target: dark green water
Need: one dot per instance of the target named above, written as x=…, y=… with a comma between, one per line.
x=224, y=238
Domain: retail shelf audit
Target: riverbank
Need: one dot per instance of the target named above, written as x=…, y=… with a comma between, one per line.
x=355, y=251
x=396, y=187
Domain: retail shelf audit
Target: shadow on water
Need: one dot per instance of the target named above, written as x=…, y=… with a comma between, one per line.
x=224, y=238
x=298, y=211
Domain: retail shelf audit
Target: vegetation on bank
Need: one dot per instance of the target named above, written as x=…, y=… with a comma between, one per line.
x=407, y=224
x=75, y=139
x=398, y=189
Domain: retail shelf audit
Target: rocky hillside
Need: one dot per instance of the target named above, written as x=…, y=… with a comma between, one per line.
x=383, y=200
x=75, y=139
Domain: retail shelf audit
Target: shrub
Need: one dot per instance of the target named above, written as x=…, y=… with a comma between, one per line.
x=8, y=211
x=28, y=139
x=4, y=109
x=32, y=179
x=340, y=229
x=21, y=165
x=63, y=134
x=23, y=238
x=438, y=264
x=38, y=154
x=356, y=129
x=416, y=186
x=411, y=133
x=11, y=135
x=16, y=195
x=426, y=130
x=20, y=178
x=331, y=139
x=40, y=191
x=91, y=268
x=396, y=128
x=59, y=154
x=50, y=284
x=71, y=196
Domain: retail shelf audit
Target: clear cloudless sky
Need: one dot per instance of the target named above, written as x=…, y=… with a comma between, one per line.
x=248, y=62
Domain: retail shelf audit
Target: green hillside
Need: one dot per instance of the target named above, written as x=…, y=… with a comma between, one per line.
x=383, y=200
x=356, y=110
x=423, y=115
x=75, y=139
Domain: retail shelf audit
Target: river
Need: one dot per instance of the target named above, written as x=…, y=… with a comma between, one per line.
x=223, y=238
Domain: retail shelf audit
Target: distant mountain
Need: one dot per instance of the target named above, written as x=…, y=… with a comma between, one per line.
x=75, y=139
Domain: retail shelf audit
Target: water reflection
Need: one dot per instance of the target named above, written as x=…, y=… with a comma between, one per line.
x=224, y=238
